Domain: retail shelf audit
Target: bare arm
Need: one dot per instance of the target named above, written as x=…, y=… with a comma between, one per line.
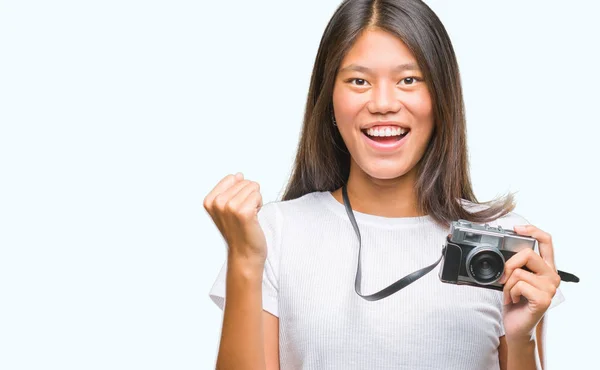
x=539, y=333
x=271, y=327
x=503, y=349
x=250, y=336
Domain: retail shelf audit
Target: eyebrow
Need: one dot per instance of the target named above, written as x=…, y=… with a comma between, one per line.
x=363, y=69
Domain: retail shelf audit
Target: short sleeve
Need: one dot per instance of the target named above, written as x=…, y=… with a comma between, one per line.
x=508, y=222
x=270, y=221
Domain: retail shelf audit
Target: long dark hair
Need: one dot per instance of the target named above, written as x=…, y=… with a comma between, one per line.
x=322, y=161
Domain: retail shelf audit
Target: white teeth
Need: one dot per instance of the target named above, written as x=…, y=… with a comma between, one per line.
x=386, y=131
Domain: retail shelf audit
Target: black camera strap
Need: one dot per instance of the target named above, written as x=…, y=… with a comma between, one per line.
x=393, y=288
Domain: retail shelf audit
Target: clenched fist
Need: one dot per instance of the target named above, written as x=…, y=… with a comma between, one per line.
x=233, y=205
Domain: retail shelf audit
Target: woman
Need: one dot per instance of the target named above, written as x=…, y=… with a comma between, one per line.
x=384, y=117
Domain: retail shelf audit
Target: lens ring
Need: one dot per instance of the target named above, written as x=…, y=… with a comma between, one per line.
x=485, y=264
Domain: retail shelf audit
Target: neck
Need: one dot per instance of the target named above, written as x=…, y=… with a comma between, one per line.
x=388, y=198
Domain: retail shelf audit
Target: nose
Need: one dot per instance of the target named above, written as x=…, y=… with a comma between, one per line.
x=384, y=99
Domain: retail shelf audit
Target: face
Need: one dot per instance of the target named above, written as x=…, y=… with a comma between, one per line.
x=382, y=106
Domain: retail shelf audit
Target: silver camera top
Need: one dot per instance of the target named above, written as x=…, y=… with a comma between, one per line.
x=466, y=232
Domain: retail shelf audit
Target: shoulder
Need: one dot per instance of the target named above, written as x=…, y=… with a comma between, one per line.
x=298, y=207
x=273, y=213
x=280, y=217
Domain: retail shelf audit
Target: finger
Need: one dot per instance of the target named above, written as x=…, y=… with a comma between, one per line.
x=222, y=201
x=225, y=183
x=252, y=204
x=221, y=186
x=526, y=257
x=538, y=281
x=544, y=242
x=532, y=294
x=519, y=290
x=240, y=198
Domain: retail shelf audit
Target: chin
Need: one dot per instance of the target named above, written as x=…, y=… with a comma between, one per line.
x=386, y=172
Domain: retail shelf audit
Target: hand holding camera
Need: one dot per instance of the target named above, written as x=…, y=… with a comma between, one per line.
x=233, y=205
x=532, y=276
x=494, y=258
x=518, y=280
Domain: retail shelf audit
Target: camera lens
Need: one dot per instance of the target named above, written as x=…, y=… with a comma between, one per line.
x=485, y=265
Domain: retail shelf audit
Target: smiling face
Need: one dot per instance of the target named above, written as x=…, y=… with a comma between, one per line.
x=382, y=106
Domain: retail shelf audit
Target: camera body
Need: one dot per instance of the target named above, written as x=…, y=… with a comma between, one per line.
x=475, y=254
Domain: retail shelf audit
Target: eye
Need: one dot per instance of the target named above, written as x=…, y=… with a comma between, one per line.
x=358, y=82
x=411, y=80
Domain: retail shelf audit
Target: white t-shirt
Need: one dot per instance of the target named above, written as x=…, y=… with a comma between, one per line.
x=308, y=283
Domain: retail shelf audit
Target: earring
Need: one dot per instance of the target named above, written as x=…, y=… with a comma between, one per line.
x=333, y=119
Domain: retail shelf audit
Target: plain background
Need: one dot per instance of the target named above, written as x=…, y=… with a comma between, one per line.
x=118, y=117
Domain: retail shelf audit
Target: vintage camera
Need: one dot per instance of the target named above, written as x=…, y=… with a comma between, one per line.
x=475, y=254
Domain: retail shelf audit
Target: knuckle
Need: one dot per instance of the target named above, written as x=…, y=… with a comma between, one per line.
x=556, y=280
x=242, y=184
x=230, y=207
x=220, y=202
x=518, y=273
x=206, y=204
x=545, y=301
x=246, y=214
x=528, y=254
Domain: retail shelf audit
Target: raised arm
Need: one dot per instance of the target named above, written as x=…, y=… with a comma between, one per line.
x=249, y=338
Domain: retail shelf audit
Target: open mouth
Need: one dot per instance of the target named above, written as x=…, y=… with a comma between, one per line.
x=387, y=135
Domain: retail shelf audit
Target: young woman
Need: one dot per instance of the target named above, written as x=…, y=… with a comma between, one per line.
x=384, y=118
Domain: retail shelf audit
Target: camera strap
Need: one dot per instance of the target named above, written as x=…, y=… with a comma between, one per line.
x=393, y=288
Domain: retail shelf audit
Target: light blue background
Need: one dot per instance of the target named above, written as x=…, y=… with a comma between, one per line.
x=118, y=117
